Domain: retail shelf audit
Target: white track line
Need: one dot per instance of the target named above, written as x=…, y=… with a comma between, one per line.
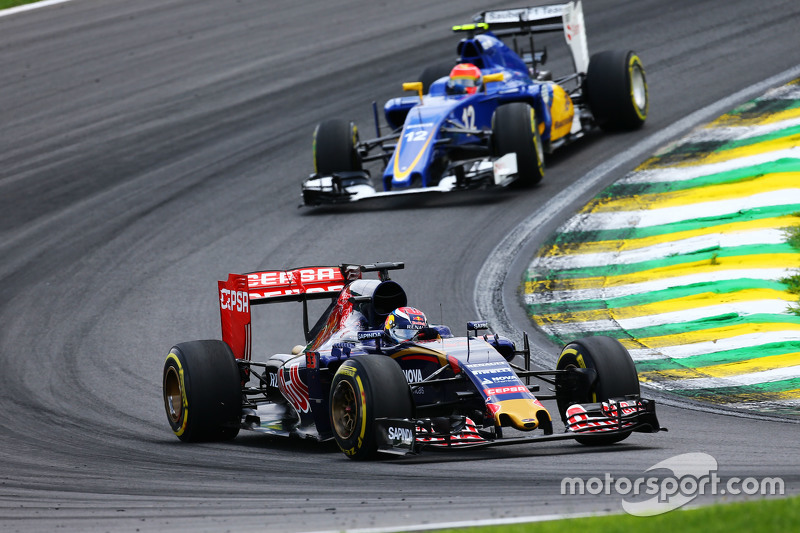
x=29, y=7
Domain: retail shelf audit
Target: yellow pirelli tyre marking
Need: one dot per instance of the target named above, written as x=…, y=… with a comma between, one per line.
x=184, y=400
x=363, y=411
x=634, y=64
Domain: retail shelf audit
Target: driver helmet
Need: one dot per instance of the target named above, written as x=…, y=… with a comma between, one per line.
x=404, y=322
x=465, y=78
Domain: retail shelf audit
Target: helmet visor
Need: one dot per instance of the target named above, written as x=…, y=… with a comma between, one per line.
x=405, y=333
x=463, y=81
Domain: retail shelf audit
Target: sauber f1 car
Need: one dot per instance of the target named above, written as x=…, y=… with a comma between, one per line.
x=490, y=120
x=372, y=392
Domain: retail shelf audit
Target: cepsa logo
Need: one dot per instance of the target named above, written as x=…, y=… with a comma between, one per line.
x=505, y=390
x=323, y=279
x=283, y=277
x=234, y=300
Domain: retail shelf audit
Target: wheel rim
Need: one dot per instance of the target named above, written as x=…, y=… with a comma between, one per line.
x=344, y=410
x=638, y=88
x=173, y=395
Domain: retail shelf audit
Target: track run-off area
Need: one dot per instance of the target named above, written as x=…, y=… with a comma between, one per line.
x=690, y=261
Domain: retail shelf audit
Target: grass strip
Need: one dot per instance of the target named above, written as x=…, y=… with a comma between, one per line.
x=760, y=516
x=4, y=4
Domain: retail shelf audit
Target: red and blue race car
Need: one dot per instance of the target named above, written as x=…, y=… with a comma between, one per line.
x=377, y=377
x=488, y=120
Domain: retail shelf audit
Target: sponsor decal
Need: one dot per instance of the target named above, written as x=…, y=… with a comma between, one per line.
x=283, y=277
x=505, y=390
x=349, y=370
x=413, y=375
x=234, y=300
x=369, y=335
x=290, y=282
x=500, y=370
x=561, y=123
x=479, y=365
x=498, y=379
x=403, y=435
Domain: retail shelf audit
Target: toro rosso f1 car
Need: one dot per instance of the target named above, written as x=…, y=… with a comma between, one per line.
x=487, y=122
x=373, y=392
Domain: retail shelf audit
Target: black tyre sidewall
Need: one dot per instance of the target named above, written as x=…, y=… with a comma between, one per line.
x=210, y=391
x=616, y=376
x=609, y=90
x=515, y=129
x=383, y=391
x=334, y=147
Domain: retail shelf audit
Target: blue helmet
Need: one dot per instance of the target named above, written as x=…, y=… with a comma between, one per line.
x=404, y=322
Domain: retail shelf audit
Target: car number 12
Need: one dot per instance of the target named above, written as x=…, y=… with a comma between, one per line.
x=468, y=117
x=416, y=136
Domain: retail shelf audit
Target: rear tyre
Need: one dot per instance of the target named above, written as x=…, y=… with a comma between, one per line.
x=202, y=391
x=515, y=130
x=616, y=90
x=334, y=147
x=616, y=377
x=365, y=388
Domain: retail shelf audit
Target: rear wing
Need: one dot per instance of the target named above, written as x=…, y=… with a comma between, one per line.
x=241, y=291
x=539, y=19
x=294, y=285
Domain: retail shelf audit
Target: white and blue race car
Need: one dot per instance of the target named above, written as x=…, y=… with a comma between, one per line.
x=492, y=131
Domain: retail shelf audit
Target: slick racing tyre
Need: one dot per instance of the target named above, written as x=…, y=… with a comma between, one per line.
x=365, y=388
x=335, y=147
x=202, y=391
x=616, y=377
x=616, y=90
x=515, y=130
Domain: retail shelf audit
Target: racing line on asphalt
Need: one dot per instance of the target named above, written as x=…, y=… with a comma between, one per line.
x=682, y=259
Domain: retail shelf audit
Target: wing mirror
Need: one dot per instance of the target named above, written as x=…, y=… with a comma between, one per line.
x=414, y=86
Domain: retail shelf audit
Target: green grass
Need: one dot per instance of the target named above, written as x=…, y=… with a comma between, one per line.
x=761, y=516
x=793, y=281
x=13, y=3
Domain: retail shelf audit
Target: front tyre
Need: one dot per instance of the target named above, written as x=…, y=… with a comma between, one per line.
x=365, y=388
x=616, y=377
x=335, y=147
x=431, y=73
x=202, y=391
x=616, y=90
x=515, y=130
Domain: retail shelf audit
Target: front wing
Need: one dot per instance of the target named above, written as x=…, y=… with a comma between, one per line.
x=350, y=187
x=606, y=419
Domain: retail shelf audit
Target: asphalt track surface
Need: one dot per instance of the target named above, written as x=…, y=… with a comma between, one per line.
x=149, y=148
